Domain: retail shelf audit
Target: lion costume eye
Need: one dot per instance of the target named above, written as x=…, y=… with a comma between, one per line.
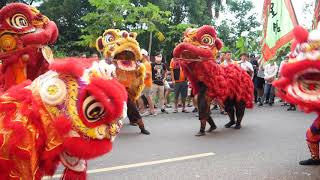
x=109, y=38
x=207, y=40
x=92, y=109
x=19, y=21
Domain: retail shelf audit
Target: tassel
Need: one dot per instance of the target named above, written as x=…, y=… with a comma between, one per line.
x=69, y=174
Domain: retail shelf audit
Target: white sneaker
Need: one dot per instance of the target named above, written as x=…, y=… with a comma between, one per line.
x=153, y=114
x=145, y=114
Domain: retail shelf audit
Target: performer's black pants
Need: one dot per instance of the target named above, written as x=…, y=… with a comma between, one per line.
x=203, y=104
x=132, y=111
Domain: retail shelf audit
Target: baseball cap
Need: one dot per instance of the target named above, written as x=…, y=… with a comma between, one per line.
x=144, y=52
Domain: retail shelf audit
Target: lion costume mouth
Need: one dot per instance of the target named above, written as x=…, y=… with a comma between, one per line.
x=306, y=85
x=126, y=60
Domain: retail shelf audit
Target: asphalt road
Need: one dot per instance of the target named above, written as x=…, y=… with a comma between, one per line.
x=269, y=146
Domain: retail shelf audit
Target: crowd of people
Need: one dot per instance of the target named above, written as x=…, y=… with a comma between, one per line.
x=162, y=80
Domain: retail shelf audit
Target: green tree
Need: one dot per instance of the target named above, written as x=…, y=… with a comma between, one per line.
x=240, y=34
x=123, y=14
x=67, y=15
x=29, y=2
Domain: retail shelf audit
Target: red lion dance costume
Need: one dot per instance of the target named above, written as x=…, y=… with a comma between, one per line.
x=229, y=85
x=24, y=34
x=70, y=114
x=300, y=84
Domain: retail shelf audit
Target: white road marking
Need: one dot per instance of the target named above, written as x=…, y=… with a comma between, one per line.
x=149, y=163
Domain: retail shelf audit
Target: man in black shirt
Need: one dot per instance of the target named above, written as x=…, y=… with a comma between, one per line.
x=159, y=73
x=255, y=65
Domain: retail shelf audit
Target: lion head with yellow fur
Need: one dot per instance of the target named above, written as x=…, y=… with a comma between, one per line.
x=122, y=48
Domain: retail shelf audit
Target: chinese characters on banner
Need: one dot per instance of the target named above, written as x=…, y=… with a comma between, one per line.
x=279, y=21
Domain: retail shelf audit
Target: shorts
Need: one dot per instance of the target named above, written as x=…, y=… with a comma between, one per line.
x=166, y=85
x=147, y=91
x=259, y=82
x=181, y=88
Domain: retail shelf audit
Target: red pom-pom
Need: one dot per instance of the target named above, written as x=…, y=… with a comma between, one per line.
x=72, y=65
x=84, y=149
x=62, y=125
x=301, y=34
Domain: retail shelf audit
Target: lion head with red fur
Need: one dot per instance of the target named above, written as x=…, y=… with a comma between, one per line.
x=24, y=36
x=70, y=114
x=198, y=45
x=300, y=77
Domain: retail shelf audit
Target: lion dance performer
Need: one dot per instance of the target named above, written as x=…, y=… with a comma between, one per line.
x=229, y=85
x=300, y=83
x=24, y=34
x=70, y=114
x=122, y=48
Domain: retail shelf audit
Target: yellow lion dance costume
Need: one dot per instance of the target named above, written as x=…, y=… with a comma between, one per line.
x=122, y=49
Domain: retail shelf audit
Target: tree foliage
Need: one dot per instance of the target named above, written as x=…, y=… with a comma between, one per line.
x=240, y=29
x=123, y=14
x=67, y=15
x=29, y=2
x=80, y=22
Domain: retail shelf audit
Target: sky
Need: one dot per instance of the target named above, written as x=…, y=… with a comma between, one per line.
x=304, y=18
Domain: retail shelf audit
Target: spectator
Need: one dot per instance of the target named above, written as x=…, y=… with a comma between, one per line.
x=147, y=91
x=167, y=90
x=292, y=107
x=259, y=82
x=270, y=73
x=193, y=97
x=180, y=85
x=221, y=58
x=159, y=73
x=227, y=59
x=245, y=64
x=95, y=55
x=255, y=65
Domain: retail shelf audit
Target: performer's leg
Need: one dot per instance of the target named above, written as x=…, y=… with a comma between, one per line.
x=313, y=139
x=204, y=111
x=313, y=145
x=134, y=116
x=212, y=124
x=240, y=108
x=229, y=108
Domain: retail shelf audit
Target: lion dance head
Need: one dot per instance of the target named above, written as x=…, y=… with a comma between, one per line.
x=122, y=48
x=198, y=45
x=300, y=77
x=24, y=36
x=69, y=114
